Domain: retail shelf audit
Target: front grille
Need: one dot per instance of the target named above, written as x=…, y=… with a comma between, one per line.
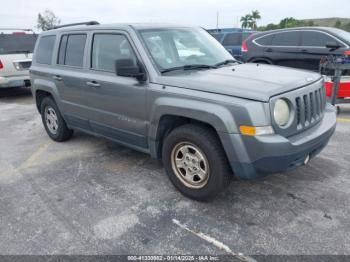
x=310, y=107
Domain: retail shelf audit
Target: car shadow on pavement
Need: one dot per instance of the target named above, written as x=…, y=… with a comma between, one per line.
x=15, y=92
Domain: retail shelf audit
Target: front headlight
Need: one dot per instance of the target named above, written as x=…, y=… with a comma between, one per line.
x=281, y=112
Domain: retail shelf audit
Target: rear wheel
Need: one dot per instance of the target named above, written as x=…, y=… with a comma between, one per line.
x=195, y=161
x=54, y=124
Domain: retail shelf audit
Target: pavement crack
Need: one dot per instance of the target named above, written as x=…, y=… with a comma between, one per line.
x=214, y=242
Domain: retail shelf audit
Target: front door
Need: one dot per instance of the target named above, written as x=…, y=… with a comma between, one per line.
x=313, y=47
x=116, y=104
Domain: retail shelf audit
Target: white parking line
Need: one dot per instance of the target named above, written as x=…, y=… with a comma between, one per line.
x=214, y=242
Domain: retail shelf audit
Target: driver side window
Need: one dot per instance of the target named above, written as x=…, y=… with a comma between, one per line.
x=107, y=48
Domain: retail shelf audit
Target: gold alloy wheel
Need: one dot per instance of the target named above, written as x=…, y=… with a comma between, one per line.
x=190, y=165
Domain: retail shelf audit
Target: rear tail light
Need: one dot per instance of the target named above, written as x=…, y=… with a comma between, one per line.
x=347, y=52
x=1, y=65
x=244, y=47
x=18, y=33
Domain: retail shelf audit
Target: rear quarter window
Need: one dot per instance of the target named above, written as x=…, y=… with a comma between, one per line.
x=45, y=49
x=265, y=40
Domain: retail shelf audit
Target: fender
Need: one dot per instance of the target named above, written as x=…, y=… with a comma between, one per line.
x=218, y=116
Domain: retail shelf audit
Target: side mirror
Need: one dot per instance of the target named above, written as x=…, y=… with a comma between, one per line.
x=127, y=67
x=333, y=45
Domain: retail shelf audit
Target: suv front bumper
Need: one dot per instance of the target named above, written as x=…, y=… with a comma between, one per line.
x=251, y=157
x=14, y=81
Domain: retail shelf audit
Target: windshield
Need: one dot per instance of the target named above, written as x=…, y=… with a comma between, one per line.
x=341, y=33
x=17, y=43
x=177, y=47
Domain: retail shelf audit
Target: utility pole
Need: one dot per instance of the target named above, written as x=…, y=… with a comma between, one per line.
x=217, y=20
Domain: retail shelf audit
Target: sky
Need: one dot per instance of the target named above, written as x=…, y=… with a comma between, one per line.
x=23, y=13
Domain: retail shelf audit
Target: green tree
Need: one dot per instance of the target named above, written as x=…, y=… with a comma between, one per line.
x=255, y=17
x=338, y=24
x=47, y=20
x=289, y=22
x=246, y=21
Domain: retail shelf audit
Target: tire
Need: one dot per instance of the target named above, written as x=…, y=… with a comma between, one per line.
x=50, y=113
x=208, y=157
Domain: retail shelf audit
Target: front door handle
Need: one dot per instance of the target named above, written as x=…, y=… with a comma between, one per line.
x=57, y=77
x=269, y=50
x=304, y=50
x=93, y=84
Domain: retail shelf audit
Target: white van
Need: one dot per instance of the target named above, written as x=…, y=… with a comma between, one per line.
x=16, y=48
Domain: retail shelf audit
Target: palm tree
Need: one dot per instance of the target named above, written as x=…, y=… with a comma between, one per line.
x=246, y=21
x=255, y=17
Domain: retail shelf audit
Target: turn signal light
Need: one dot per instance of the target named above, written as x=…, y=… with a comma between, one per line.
x=256, y=130
x=247, y=130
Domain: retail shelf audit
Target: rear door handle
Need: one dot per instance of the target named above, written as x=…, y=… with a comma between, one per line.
x=57, y=77
x=269, y=50
x=93, y=84
x=304, y=51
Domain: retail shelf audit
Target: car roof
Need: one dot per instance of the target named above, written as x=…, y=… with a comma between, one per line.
x=310, y=28
x=116, y=26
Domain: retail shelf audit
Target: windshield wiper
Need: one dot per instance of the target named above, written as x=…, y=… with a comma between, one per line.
x=226, y=62
x=188, y=67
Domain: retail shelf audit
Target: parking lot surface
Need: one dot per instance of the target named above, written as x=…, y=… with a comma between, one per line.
x=92, y=196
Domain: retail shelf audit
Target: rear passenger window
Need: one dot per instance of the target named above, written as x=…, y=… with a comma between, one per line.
x=286, y=39
x=233, y=39
x=107, y=48
x=71, y=51
x=311, y=38
x=45, y=49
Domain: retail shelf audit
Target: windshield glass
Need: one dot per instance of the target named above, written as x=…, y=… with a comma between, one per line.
x=176, y=47
x=341, y=33
x=17, y=43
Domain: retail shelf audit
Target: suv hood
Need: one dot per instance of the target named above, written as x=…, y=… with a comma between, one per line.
x=251, y=81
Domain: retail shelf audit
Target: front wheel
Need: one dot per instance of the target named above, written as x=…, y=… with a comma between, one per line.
x=195, y=161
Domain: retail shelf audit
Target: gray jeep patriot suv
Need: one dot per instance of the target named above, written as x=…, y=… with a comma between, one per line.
x=175, y=93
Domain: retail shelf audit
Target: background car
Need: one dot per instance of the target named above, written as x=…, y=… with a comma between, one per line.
x=16, y=48
x=295, y=47
x=231, y=39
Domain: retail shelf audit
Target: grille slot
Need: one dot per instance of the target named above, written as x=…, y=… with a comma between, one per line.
x=310, y=107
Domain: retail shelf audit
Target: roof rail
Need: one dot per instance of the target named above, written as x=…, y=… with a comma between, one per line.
x=12, y=29
x=74, y=24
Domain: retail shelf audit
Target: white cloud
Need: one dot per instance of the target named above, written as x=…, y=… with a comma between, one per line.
x=23, y=13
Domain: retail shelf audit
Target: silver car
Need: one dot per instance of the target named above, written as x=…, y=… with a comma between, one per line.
x=16, y=48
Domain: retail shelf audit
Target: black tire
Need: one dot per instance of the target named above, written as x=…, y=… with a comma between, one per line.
x=62, y=133
x=206, y=140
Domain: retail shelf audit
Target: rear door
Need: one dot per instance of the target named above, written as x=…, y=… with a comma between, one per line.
x=284, y=48
x=70, y=76
x=313, y=47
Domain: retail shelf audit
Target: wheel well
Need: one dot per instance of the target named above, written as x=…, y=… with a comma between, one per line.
x=261, y=60
x=39, y=96
x=168, y=123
